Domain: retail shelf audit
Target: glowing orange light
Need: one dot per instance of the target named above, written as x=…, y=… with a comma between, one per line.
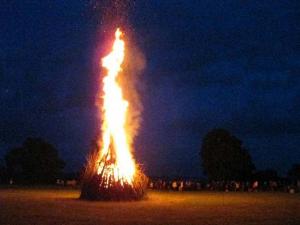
x=115, y=160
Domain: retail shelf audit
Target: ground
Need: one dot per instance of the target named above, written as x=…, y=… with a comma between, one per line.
x=20, y=206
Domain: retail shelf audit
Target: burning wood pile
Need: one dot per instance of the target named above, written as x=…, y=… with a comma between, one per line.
x=111, y=172
x=109, y=188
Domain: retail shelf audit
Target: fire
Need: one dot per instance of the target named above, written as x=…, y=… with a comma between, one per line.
x=111, y=172
x=116, y=163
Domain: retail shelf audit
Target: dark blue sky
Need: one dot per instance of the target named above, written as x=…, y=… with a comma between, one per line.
x=231, y=64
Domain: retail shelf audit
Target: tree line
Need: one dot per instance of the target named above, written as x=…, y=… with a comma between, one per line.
x=34, y=162
x=223, y=158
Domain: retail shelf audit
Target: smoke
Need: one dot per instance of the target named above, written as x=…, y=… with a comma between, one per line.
x=131, y=82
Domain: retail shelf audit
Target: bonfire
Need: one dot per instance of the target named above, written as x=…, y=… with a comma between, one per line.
x=111, y=171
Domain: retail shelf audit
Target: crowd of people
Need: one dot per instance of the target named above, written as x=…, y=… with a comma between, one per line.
x=232, y=186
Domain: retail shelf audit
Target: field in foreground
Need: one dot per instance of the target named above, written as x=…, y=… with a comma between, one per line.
x=60, y=206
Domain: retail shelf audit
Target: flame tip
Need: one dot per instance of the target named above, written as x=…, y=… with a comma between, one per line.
x=115, y=149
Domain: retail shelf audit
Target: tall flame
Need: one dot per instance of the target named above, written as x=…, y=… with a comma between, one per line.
x=115, y=160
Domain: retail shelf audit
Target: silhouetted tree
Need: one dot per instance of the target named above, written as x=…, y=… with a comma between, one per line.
x=3, y=177
x=35, y=162
x=294, y=172
x=224, y=157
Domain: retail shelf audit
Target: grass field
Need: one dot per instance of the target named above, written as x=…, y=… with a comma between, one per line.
x=61, y=206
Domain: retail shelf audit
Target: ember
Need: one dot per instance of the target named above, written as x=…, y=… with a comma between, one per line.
x=111, y=173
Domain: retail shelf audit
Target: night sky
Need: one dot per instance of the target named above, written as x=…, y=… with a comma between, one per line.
x=209, y=64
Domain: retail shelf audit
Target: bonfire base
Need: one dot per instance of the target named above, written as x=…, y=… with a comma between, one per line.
x=115, y=191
